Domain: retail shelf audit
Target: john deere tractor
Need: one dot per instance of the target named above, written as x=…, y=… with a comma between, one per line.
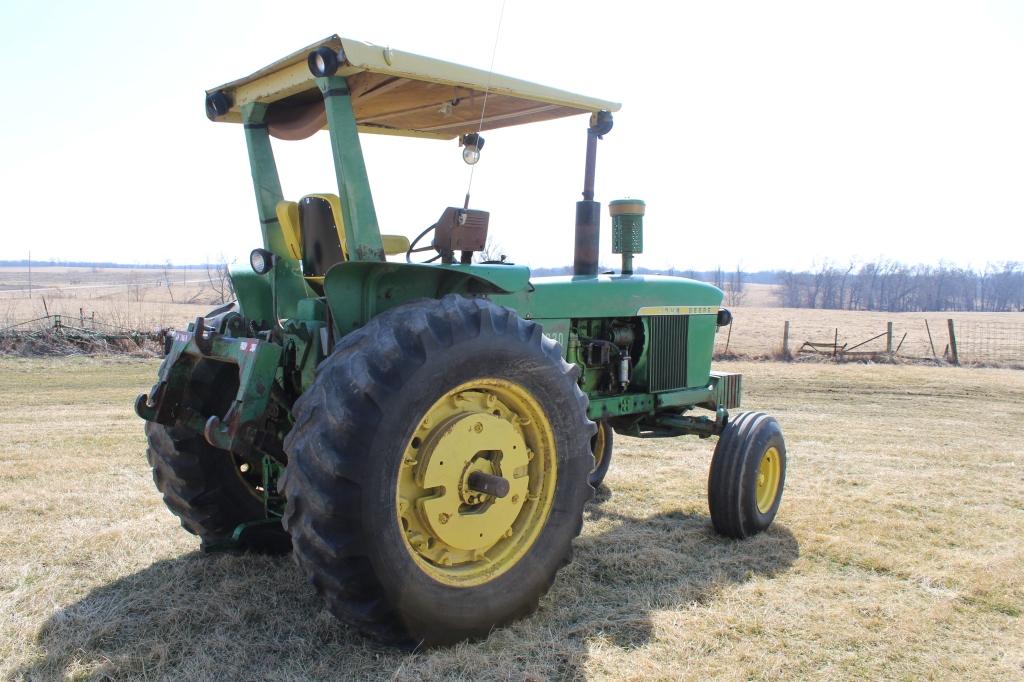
x=422, y=433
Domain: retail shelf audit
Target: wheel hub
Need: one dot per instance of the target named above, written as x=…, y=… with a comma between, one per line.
x=477, y=481
x=769, y=471
x=458, y=515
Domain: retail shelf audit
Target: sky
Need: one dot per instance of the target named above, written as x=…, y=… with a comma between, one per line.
x=762, y=135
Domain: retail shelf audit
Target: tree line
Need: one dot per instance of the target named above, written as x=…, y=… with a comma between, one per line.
x=895, y=287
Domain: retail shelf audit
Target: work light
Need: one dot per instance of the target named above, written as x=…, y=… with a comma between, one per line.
x=217, y=104
x=261, y=261
x=323, y=61
x=472, y=144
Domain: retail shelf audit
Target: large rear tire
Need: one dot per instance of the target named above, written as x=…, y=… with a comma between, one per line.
x=748, y=473
x=382, y=516
x=204, y=486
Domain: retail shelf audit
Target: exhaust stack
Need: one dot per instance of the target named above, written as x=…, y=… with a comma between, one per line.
x=588, y=211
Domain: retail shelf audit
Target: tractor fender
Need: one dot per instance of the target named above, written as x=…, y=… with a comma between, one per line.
x=357, y=291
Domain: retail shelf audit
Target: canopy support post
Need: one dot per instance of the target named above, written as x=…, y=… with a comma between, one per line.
x=362, y=233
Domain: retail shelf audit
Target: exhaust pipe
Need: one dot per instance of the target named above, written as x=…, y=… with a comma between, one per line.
x=588, y=211
x=588, y=238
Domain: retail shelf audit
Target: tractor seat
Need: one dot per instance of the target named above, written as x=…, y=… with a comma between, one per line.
x=314, y=232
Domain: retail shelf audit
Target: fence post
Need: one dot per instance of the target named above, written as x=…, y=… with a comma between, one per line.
x=952, y=343
x=785, y=341
x=930, y=342
x=888, y=338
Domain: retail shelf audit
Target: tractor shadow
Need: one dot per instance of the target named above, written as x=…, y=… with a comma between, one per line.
x=637, y=565
x=221, y=617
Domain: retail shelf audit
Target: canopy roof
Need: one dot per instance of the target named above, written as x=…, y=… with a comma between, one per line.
x=398, y=93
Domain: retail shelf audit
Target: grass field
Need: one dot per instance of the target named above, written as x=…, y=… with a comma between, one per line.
x=897, y=552
x=140, y=299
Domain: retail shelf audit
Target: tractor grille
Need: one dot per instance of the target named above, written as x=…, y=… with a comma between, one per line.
x=667, y=360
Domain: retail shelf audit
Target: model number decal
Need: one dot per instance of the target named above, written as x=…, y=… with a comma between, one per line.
x=678, y=310
x=557, y=337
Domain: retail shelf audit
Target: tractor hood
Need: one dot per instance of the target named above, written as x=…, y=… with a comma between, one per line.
x=399, y=93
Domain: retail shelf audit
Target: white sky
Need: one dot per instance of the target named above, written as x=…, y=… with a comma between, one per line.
x=767, y=134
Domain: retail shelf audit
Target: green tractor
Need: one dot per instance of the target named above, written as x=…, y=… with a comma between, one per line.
x=423, y=436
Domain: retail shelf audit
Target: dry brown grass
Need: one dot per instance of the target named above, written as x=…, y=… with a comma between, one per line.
x=125, y=298
x=897, y=552
x=760, y=295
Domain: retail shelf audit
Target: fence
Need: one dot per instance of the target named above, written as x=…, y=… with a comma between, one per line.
x=971, y=342
x=990, y=343
x=58, y=333
x=861, y=336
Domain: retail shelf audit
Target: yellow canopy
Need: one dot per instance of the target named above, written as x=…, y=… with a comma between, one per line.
x=398, y=93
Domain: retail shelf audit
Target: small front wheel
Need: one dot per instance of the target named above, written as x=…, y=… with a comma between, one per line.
x=601, y=446
x=748, y=472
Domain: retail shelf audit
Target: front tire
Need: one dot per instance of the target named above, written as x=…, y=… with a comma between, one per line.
x=601, y=446
x=399, y=416
x=748, y=473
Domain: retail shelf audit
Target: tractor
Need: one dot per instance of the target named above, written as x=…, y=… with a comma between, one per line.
x=423, y=433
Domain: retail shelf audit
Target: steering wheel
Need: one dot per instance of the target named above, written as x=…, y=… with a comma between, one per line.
x=412, y=247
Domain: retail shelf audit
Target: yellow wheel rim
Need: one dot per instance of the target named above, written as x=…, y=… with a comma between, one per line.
x=459, y=536
x=600, y=443
x=769, y=472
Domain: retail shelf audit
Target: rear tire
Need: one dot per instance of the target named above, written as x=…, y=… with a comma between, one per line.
x=748, y=473
x=203, y=485
x=375, y=421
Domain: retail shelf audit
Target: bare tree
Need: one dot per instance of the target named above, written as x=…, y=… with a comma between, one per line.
x=793, y=285
x=895, y=287
x=736, y=287
x=719, y=278
x=493, y=251
x=167, y=279
x=219, y=281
